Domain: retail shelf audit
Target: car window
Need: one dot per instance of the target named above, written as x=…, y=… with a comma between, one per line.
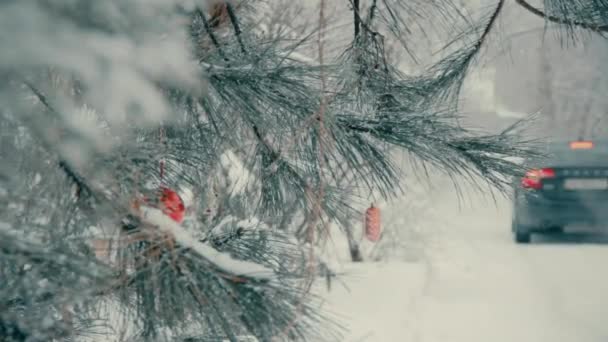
x=563, y=156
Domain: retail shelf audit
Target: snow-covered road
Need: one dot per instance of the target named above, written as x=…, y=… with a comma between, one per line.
x=479, y=286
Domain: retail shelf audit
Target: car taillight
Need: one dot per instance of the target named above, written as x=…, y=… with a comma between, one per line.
x=534, y=178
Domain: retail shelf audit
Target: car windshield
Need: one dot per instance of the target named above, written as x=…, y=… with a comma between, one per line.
x=563, y=155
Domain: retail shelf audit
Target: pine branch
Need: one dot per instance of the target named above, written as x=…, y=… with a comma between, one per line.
x=444, y=80
x=360, y=23
x=34, y=254
x=489, y=26
x=66, y=278
x=357, y=18
x=563, y=21
x=81, y=187
x=372, y=12
x=211, y=34
x=221, y=240
x=40, y=97
x=445, y=145
x=275, y=154
x=235, y=25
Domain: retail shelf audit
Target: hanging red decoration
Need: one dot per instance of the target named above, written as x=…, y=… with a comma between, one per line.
x=372, y=224
x=172, y=204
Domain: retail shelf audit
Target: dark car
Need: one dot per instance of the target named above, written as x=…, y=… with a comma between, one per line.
x=568, y=185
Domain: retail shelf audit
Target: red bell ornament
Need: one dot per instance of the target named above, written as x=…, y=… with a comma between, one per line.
x=373, y=228
x=172, y=204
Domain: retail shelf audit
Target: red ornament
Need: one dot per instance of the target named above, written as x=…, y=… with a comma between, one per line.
x=372, y=224
x=173, y=206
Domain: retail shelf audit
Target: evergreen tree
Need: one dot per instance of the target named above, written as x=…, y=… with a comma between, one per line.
x=123, y=125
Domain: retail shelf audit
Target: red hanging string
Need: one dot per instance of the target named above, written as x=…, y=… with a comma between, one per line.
x=162, y=171
x=172, y=204
x=161, y=137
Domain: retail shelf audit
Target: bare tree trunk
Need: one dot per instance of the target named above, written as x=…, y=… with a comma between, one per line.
x=353, y=246
x=546, y=84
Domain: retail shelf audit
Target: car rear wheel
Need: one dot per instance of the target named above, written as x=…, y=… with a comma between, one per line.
x=522, y=237
x=521, y=234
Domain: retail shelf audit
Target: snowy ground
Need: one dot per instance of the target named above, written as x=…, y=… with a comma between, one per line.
x=477, y=285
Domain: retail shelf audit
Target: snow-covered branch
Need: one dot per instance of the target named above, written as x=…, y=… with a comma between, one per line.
x=222, y=261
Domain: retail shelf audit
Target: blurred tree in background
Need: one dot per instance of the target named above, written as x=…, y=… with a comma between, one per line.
x=552, y=62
